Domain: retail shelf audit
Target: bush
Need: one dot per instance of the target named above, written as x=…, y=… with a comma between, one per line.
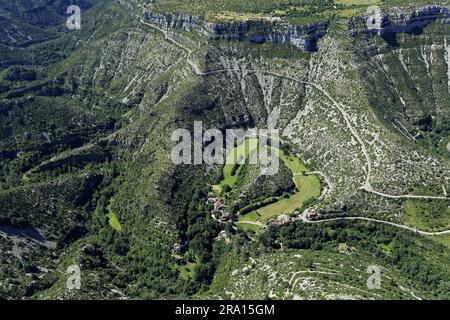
x=234, y=170
x=226, y=188
x=20, y=74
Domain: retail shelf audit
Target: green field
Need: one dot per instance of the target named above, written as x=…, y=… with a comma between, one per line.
x=298, y=169
x=293, y=163
x=250, y=217
x=229, y=178
x=250, y=227
x=240, y=152
x=114, y=222
x=308, y=186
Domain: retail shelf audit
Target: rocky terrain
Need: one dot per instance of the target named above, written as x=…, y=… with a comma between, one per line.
x=86, y=118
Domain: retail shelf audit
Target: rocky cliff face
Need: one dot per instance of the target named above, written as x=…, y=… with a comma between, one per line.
x=303, y=37
x=172, y=21
x=400, y=21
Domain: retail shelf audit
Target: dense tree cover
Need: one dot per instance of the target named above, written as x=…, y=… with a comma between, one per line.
x=18, y=73
x=197, y=228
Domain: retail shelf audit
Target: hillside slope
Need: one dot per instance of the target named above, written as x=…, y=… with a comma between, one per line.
x=86, y=178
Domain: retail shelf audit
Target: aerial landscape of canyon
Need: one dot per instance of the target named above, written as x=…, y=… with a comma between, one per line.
x=224, y=150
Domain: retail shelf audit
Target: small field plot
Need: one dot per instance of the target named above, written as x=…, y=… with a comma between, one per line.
x=112, y=218
x=236, y=158
x=309, y=188
x=114, y=222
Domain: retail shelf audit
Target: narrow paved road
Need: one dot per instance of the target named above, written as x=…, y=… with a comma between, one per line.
x=407, y=196
x=255, y=223
x=425, y=233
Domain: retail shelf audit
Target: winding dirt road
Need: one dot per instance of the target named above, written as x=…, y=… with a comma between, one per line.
x=339, y=106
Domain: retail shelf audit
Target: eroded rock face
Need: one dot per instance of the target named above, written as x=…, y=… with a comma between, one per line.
x=303, y=37
x=401, y=21
x=181, y=22
x=416, y=20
